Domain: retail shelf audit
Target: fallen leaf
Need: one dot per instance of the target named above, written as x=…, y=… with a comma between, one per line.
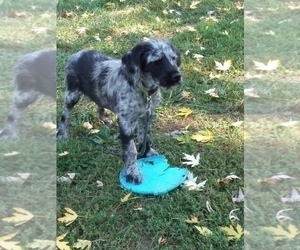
x=212, y=92
x=184, y=112
x=126, y=197
x=94, y=131
x=236, y=124
x=270, y=66
x=198, y=57
x=49, y=125
x=11, y=153
x=193, y=220
x=240, y=197
x=295, y=196
x=20, y=178
x=83, y=244
x=175, y=12
x=251, y=93
x=232, y=216
x=223, y=67
x=190, y=183
x=62, y=245
x=194, y=5
x=20, y=217
x=233, y=233
x=9, y=245
x=273, y=179
x=82, y=30
x=162, y=240
x=232, y=177
x=69, y=217
x=281, y=234
x=183, y=139
x=41, y=244
x=202, y=136
x=288, y=124
x=63, y=153
x=68, y=178
x=87, y=125
x=204, y=231
x=191, y=160
x=280, y=217
x=208, y=207
x=186, y=94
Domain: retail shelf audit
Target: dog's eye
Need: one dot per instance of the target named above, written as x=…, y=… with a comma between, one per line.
x=173, y=58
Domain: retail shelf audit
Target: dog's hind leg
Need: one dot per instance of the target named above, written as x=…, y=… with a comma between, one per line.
x=21, y=99
x=71, y=98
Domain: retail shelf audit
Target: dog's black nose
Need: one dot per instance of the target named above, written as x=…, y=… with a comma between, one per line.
x=176, y=77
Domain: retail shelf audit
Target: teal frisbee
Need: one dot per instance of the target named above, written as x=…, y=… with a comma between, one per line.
x=158, y=176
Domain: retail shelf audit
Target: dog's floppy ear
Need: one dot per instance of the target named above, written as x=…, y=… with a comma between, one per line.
x=178, y=60
x=133, y=60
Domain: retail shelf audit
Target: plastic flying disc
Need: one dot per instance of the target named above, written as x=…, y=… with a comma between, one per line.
x=158, y=176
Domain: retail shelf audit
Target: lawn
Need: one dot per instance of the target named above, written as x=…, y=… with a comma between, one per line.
x=204, y=32
x=28, y=164
x=271, y=124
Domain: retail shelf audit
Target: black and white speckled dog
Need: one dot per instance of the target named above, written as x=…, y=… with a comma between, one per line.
x=34, y=74
x=129, y=87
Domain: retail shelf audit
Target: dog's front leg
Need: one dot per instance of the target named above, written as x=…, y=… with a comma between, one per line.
x=129, y=151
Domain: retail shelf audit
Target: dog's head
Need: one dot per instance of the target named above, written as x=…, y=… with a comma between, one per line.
x=157, y=61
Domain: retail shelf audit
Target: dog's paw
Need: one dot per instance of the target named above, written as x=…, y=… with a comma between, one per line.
x=61, y=135
x=133, y=175
x=152, y=152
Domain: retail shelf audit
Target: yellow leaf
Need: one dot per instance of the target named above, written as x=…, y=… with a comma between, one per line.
x=280, y=233
x=192, y=220
x=62, y=245
x=194, y=5
x=20, y=217
x=42, y=244
x=184, y=112
x=202, y=136
x=83, y=244
x=234, y=233
x=204, y=230
x=125, y=198
x=225, y=66
x=87, y=125
x=70, y=217
x=9, y=245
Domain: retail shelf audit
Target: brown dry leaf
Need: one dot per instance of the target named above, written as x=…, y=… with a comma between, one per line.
x=69, y=217
x=20, y=217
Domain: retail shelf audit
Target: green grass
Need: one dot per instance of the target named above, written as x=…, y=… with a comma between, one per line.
x=114, y=28
x=37, y=147
x=271, y=148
